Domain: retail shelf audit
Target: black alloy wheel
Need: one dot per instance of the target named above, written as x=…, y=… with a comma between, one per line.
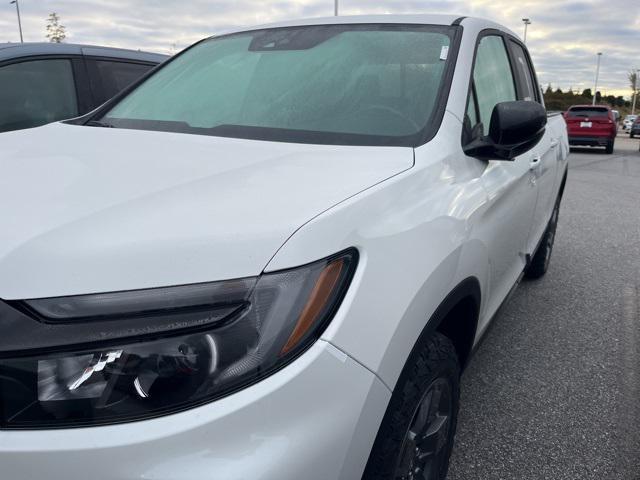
x=424, y=451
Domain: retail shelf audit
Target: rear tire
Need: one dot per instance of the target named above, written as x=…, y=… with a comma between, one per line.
x=415, y=439
x=609, y=147
x=541, y=259
x=631, y=135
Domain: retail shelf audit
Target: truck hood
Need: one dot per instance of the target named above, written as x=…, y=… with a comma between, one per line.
x=87, y=209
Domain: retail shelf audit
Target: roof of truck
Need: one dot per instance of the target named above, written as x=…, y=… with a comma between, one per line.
x=16, y=50
x=418, y=19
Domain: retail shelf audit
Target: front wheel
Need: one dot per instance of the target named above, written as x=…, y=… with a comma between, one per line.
x=631, y=135
x=541, y=259
x=415, y=439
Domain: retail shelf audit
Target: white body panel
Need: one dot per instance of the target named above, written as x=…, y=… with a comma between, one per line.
x=126, y=209
x=122, y=209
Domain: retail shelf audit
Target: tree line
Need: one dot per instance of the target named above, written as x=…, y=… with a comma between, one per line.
x=559, y=100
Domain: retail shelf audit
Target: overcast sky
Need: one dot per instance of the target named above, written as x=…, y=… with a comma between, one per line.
x=564, y=37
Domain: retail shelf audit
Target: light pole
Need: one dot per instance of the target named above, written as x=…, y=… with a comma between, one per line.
x=595, y=88
x=335, y=8
x=19, y=23
x=635, y=94
x=527, y=22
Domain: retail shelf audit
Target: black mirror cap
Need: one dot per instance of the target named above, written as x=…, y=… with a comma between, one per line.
x=515, y=128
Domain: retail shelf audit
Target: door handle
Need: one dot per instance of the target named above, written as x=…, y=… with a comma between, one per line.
x=535, y=161
x=554, y=143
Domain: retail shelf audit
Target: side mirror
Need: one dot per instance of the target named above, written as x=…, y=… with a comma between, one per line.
x=515, y=128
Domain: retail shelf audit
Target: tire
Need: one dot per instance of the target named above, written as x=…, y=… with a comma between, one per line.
x=631, y=135
x=432, y=367
x=541, y=259
x=609, y=147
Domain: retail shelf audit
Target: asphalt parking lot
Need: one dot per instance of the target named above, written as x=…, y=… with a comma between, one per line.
x=554, y=390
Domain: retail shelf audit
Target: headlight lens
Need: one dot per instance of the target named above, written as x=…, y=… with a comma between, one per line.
x=190, y=345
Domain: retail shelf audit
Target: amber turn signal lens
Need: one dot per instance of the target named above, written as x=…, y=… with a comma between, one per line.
x=327, y=282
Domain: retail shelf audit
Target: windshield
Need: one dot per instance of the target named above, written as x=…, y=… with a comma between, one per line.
x=336, y=84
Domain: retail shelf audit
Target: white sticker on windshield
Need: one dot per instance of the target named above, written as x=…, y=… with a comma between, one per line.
x=444, y=53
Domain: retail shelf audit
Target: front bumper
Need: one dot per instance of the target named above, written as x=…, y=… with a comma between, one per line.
x=316, y=419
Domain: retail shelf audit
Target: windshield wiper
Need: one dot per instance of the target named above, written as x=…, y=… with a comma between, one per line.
x=98, y=123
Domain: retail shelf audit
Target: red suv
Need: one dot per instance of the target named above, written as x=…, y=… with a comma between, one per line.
x=592, y=125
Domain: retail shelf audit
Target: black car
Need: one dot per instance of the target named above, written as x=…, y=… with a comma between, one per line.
x=45, y=82
x=634, y=131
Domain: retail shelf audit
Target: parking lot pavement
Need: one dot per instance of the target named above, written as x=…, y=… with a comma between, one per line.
x=554, y=390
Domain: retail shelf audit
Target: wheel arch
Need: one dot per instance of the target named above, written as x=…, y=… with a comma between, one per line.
x=456, y=318
x=444, y=318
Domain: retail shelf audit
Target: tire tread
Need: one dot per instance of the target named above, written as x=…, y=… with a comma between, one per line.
x=435, y=355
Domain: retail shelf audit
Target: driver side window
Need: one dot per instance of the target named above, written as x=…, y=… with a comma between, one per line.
x=36, y=92
x=493, y=81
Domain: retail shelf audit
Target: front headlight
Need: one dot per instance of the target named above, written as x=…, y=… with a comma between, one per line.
x=123, y=356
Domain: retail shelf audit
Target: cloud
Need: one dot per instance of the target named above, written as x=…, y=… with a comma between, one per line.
x=564, y=37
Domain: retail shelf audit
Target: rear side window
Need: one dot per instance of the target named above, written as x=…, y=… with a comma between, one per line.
x=588, y=112
x=36, y=92
x=110, y=77
x=492, y=77
x=524, y=71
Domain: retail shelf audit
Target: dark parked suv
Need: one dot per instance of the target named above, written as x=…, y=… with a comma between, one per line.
x=45, y=82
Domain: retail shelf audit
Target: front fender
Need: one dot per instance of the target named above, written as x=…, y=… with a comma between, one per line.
x=413, y=232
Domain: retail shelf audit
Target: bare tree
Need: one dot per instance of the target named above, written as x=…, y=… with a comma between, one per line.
x=56, y=32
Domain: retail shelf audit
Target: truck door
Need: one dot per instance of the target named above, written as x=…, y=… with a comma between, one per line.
x=545, y=154
x=510, y=185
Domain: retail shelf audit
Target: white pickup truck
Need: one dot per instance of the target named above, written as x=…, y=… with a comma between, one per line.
x=273, y=256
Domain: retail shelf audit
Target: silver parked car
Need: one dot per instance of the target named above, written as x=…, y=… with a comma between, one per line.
x=628, y=121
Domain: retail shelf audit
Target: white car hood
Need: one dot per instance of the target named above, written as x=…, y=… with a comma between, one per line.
x=87, y=209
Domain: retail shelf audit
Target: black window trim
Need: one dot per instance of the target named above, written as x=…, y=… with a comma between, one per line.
x=416, y=140
x=476, y=105
x=471, y=89
x=81, y=78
